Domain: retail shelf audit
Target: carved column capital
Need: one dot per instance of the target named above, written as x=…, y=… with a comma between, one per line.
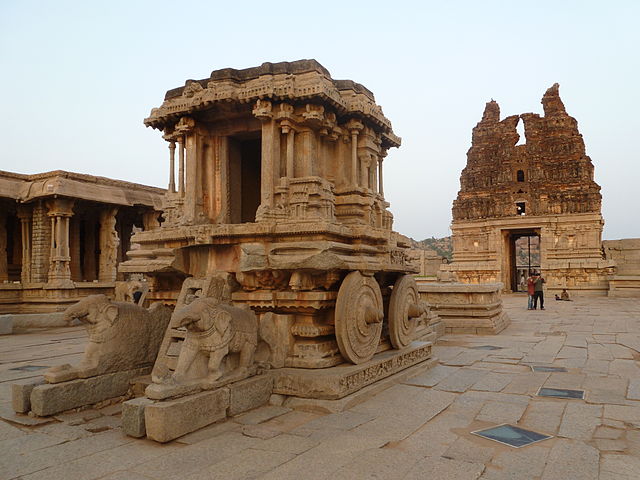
x=60, y=207
x=24, y=213
x=354, y=126
x=263, y=110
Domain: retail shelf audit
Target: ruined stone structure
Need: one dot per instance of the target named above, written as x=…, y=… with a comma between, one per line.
x=544, y=188
x=62, y=235
x=426, y=261
x=626, y=254
x=278, y=206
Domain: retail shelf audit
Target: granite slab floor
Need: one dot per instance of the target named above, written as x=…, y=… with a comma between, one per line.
x=418, y=429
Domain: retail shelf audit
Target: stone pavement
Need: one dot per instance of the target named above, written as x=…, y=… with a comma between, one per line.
x=414, y=430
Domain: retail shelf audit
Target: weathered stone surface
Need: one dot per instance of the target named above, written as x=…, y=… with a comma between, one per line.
x=250, y=393
x=260, y=415
x=461, y=380
x=633, y=390
x=493, y=382
x=434, y=467
x=431, y=377
x=571, y=459
x=21, y=393
x=133, y=423
x=544, y=417
x=171, y=419
x=6, y=325
x=49, y=399
x=580, y=421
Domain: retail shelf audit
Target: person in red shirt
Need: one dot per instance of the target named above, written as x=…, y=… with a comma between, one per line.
x=530, y=290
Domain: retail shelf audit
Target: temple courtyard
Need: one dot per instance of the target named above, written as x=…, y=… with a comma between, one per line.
x=419, y=428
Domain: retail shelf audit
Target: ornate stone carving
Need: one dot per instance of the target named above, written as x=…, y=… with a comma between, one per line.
x=215, y=330
x=262, y=110
x=191, y=89
x=109, y=243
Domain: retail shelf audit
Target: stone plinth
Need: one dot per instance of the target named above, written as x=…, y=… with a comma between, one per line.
x=624, y=286
x=54, y=398
x=466, y=308
x=342, y=380
x=168, y=420
x=626, y=254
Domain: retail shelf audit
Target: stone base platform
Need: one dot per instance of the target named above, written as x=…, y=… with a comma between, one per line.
x=167, y=420
x=342, y=380
x=624, y=286
x=48, y=399
x=315, y=405
x=466, y=308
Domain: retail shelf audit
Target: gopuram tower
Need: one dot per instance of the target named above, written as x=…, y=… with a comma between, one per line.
x=528, y=207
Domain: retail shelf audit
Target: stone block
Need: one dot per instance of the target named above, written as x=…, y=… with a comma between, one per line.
x=474, y=309
x=250, y=393
x=24, y=321
x=171, y=419
x=53, y=398
x=21, y=393
x=133, y=417
x=6, y=324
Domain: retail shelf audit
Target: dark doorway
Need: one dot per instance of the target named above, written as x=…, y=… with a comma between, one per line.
x=524, y=248
x=14, y=248
x=244, y=173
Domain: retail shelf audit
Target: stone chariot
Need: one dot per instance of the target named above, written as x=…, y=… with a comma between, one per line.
x=279, y=196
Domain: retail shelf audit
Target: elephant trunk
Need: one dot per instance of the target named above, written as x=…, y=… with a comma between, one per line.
x=73, y=312
x=186, y=319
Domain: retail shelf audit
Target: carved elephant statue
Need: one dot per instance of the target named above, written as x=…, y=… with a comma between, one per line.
x=122, y=336
x=215, y=329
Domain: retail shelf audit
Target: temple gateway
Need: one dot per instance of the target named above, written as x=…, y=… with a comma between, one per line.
x=533, y=206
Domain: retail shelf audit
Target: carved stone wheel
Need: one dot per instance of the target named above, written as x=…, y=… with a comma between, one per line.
x=404, y=307
x=358, y=318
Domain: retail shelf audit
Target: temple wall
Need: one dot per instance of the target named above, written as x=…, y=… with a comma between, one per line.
x=626, y=255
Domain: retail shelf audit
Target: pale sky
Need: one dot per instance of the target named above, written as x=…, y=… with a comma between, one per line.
x=78, y=78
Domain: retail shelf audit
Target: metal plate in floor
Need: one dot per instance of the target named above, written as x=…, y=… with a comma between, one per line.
x=29, y=368
x=544, y=368
x=511, y=435
x=561, y=393
x=487, y=347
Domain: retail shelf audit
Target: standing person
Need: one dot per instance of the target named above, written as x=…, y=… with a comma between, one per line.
x=537, y=291
x=530, y=289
